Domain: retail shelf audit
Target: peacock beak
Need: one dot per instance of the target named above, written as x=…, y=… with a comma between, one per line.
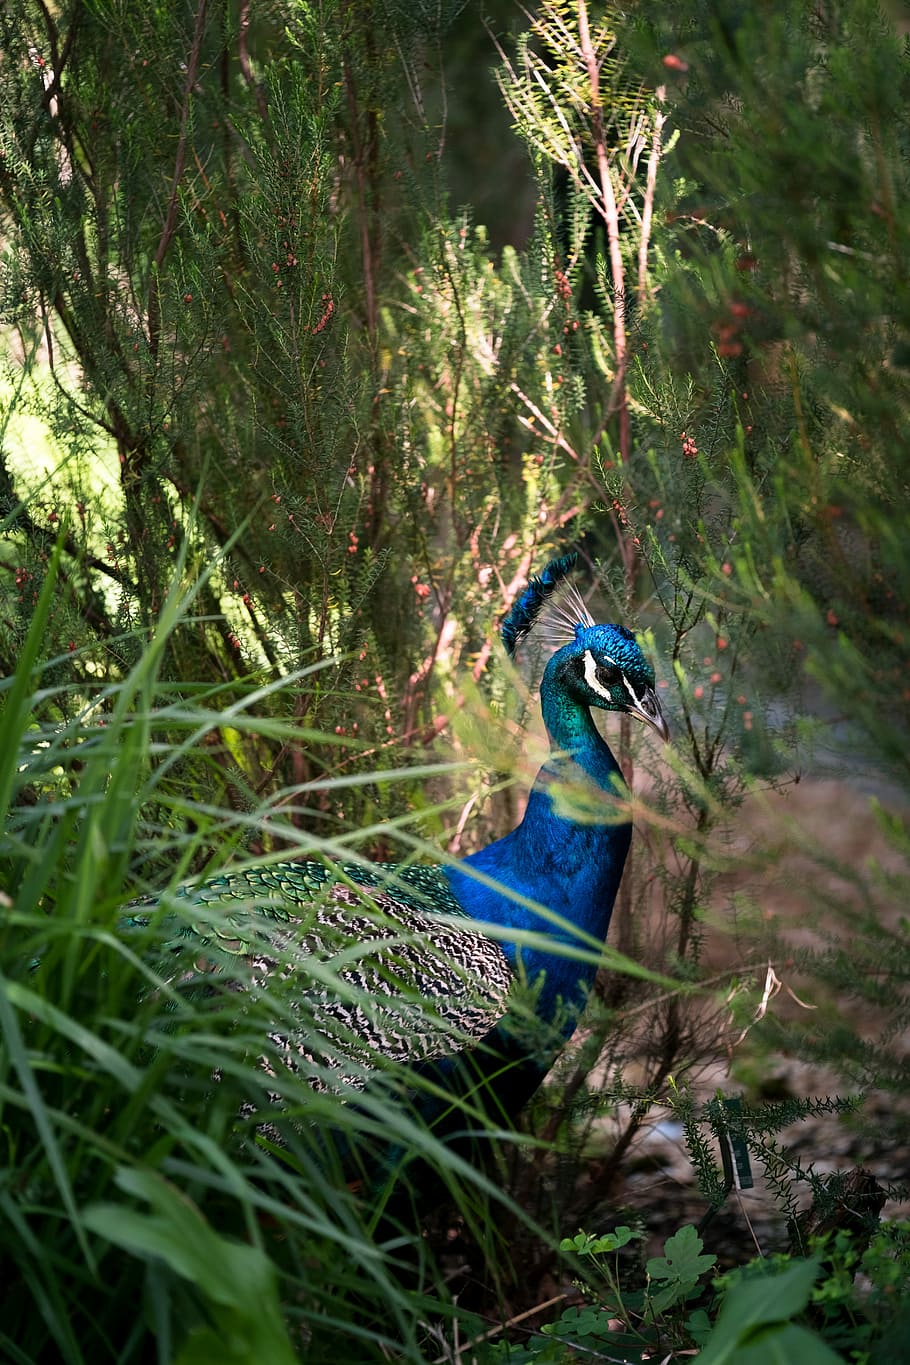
x=648, y=710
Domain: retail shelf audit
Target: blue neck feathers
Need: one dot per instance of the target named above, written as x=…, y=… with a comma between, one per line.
x=567, y=854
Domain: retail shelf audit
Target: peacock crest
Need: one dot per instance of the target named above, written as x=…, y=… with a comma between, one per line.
x=551, y=606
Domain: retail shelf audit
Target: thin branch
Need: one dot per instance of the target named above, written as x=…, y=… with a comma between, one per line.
x=610, y=215
x=243, y=58
x=170, y=221
x=502, y=1326
x=647, y=213
x=364, y=151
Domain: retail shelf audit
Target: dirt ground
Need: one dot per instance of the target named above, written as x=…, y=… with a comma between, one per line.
x=811, y=863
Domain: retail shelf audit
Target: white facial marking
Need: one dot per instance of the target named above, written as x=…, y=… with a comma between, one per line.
x=591, y=675
x=631, y=691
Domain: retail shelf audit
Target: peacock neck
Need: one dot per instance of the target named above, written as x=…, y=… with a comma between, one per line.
x=574, y=826
x=572, y=733
x=567, y=853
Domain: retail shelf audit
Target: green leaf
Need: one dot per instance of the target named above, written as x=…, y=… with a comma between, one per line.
x=612, y=1241
x=587, y=1244
x=784, y=1344
x=237, y=1281
x=756, y=1303
x=682, y=1259
x=665, y=1298
x=699, y=1326
x=582, y=1327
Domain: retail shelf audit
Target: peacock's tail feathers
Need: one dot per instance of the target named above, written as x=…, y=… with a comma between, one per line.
x=550, y=606
x=351, y=972
x=409, y=988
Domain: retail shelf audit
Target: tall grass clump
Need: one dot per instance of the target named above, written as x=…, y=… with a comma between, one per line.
x=158, y=1185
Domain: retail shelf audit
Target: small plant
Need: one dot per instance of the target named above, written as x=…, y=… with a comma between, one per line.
x=632, y=1323
x=777, y=1309
x=754, y=1324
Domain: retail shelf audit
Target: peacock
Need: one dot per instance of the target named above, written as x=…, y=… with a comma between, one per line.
x=427, y=960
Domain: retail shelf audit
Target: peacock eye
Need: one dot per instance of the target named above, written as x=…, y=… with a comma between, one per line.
x=608, y=674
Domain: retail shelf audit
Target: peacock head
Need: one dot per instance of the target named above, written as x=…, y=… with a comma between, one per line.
x=601, y=666
x=605, y=667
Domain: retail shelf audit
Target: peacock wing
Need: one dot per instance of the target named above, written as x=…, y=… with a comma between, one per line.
x=400, y=984
x=352, y=965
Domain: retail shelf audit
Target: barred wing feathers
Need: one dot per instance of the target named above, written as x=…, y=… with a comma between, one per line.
x=382, y=964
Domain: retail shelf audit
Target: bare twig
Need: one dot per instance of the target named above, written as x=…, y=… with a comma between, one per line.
x=243, y=58
x=364, y=155
x=170, y=220
x=647, y=212
x=501, y=1327
x=610, y=214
